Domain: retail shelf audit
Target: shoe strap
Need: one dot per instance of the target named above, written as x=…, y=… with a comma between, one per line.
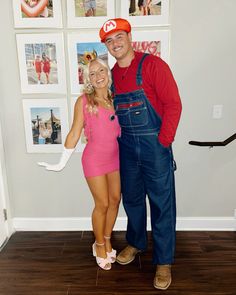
x=99, y=244
x=103, y=262
x=112, y=253
x=107, y=238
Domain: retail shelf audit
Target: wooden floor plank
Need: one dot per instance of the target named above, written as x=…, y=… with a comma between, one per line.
x=61, y=263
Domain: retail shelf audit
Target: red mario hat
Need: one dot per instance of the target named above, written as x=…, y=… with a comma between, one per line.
x=113, y=25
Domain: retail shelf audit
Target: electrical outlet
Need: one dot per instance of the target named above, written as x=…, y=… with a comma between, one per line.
x=217, y=111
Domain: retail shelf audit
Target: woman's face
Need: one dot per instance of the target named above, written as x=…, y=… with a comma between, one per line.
x=98, y=75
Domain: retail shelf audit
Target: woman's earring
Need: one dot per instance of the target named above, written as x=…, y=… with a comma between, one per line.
x=90, y=87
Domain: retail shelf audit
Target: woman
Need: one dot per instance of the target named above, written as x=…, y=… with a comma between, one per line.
x=94, y=112
x=144, y=6
x=45, y=132
x=38, y=67
x=42, y=128
x=46, y=66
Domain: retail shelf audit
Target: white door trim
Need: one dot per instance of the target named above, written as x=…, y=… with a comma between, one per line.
x=4, y=190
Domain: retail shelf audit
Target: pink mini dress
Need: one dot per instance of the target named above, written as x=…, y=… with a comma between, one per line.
x=101, y=154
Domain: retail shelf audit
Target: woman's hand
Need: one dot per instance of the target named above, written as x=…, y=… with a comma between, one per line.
x=65, y=156
x=56, y=167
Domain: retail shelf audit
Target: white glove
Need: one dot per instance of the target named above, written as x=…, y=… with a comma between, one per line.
x=65, y=156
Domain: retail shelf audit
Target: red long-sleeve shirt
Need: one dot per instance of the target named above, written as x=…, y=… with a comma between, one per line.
x=160, y=88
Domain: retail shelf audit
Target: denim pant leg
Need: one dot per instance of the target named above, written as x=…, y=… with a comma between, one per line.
x=133, y=197
x=158, y=175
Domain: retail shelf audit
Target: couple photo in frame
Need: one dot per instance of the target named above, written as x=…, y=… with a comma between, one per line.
x=41, y=63
x=142, y=13
x=46, y=124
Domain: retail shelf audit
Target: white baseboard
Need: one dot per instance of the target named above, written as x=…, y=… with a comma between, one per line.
x=84, y=224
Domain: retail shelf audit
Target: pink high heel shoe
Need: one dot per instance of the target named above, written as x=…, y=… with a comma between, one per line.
x=111, y=255
x=104, y=263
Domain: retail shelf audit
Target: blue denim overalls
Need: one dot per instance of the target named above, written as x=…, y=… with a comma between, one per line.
x=147, y=168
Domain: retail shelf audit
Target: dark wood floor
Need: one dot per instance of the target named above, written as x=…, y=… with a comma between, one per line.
x=61, y=263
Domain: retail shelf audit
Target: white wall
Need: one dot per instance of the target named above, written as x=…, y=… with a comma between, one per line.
x=203, y=61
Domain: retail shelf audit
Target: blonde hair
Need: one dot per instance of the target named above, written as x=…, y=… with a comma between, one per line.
x=89, y=90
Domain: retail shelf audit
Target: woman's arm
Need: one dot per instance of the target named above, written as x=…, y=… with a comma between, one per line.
x=77, y=125
x=71, y=139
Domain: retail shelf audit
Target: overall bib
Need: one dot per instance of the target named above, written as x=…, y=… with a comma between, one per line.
x=147, y=168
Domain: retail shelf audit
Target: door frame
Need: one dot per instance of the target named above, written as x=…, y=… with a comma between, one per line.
x=4, y=189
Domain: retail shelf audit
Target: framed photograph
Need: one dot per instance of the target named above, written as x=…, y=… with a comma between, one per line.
x=155, y=42
x=89, y=13
x=83, y=47
x=41, y=63
x=145, y=12
x=37, y=13
x=82, y=141
x=46, y=124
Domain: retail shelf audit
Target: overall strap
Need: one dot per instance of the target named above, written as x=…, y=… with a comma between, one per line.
x=138, y=76
x=139, y=80
x=112, y=84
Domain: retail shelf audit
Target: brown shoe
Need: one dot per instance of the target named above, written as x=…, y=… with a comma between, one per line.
x=162, y=279
x=127, y=255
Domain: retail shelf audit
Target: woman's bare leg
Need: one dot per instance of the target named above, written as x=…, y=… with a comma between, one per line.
x=99, y=188
x=113, y=180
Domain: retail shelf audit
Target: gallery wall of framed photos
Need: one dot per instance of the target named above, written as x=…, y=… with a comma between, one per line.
x=54, y=39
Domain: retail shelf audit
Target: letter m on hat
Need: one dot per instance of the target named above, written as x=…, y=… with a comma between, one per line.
x=109, y=25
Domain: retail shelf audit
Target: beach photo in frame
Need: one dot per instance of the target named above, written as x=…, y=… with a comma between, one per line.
x=154, y=42
x=41, y=63
x=89, y=13
x=82, y=48
x=146, y=12
x=82, y=141
x=46, y=124
x=37, y=13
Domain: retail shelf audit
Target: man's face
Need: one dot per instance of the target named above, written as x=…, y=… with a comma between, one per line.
x=119, y=44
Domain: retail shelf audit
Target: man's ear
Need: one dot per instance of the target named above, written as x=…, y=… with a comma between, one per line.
x=130, y=36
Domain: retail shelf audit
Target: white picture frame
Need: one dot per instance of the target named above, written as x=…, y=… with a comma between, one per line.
x=47, y=76
x=45, y=14
x=82, y=141
x=79, y=43
x=75, y=18
x=46, y=124
x=161, y=18
x=156, y=42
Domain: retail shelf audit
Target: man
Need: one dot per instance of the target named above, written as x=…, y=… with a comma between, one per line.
x=148, y=107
